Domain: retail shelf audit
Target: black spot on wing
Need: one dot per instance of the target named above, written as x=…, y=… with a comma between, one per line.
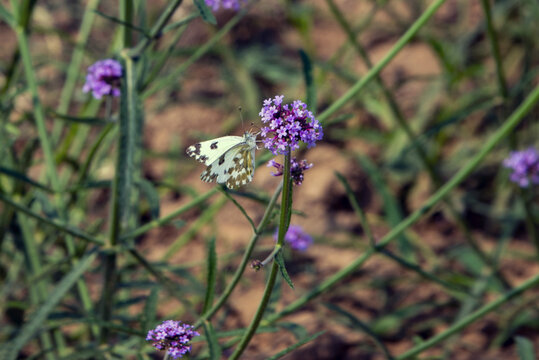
x=213, y=145
x=194, y=150
x=221, y=159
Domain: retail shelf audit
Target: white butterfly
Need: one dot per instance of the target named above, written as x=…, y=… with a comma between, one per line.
x=230, y=160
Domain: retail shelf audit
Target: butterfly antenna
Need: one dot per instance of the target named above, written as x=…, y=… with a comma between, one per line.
x=241, y=115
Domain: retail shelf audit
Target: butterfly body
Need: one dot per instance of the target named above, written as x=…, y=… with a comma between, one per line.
x=230, y=160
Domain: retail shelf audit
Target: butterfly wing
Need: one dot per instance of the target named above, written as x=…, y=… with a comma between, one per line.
x=234, y=168
x=209, y=151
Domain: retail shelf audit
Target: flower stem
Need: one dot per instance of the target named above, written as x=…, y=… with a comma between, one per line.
x=286, y=211
x=241, y=268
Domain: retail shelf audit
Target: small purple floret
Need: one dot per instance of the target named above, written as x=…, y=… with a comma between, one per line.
x=287, y=124
x=172, y=336
x=525, y=166
x=296, y=169
x=103, y=78
x=296, y=237
x=225, y=4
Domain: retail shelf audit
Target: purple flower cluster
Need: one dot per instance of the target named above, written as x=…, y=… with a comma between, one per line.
x=225, y=4
x=172, y=336
x=287, y=124
x=296, y=169
x=103, y=78
x=525, y=166
x=296, y=237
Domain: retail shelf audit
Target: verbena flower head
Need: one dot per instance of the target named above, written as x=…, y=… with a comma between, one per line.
x=296, y=169
x=103, y=78
x=296, y=237
x=172, y=336
x=525, y=166
x=225, y=4
x=287, y=125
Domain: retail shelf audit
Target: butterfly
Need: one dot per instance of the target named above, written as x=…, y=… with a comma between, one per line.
x=230, y=160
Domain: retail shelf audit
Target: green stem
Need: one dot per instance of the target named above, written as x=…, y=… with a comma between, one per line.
x=408, y=35
x=493, y=39
x=286, y=202
x=54, y=223
x=167, y=218
x=464, y=172
x=73, y=70
x=244, y=261
x=126, y=15
x=155, y=32
x=39, y=114
x=478, y=314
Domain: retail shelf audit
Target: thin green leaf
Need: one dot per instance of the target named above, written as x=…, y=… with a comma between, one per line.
x=151, y=195
x=205, y=12
x=310, y=86
x=280, y=261
x=211, y=276
x=54, y=223
x=299, y=331
x=225, y=192
x=213, y=343
x=6, y=16
x=123, y=23
x=295, y=346
x=10, y=350
x=525, y=348
x=22, y=177
x=150, y=309
x=96, y=121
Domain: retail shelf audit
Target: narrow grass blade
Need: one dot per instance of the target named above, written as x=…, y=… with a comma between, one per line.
x=205, y=12
x=279, y=259
x=95, y=121
x=54, y=223
x=213, y=343
x=10, y=350
x=225, y=192
x=6, y=16
x=211, y=275
x=122, y=23
x=151, y=195
x=22, y=177
x=310, y=86
x=300, y=343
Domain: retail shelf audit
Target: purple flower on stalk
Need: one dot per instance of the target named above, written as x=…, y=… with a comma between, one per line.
x=525, y=166
x=225, y=4
x=287, y=124
x=296, y=237
x=296, y=169
x=172, y=336
x=103, y=78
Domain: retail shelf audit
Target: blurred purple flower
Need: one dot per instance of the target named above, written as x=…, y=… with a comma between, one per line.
x=287, y=124
x=525, y=166
x=296, y=169
x=172, y=336
x=103, y=78
x=225, y=4
x=296, y=237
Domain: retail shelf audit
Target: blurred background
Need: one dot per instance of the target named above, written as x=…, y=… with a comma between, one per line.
x=396, y=142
